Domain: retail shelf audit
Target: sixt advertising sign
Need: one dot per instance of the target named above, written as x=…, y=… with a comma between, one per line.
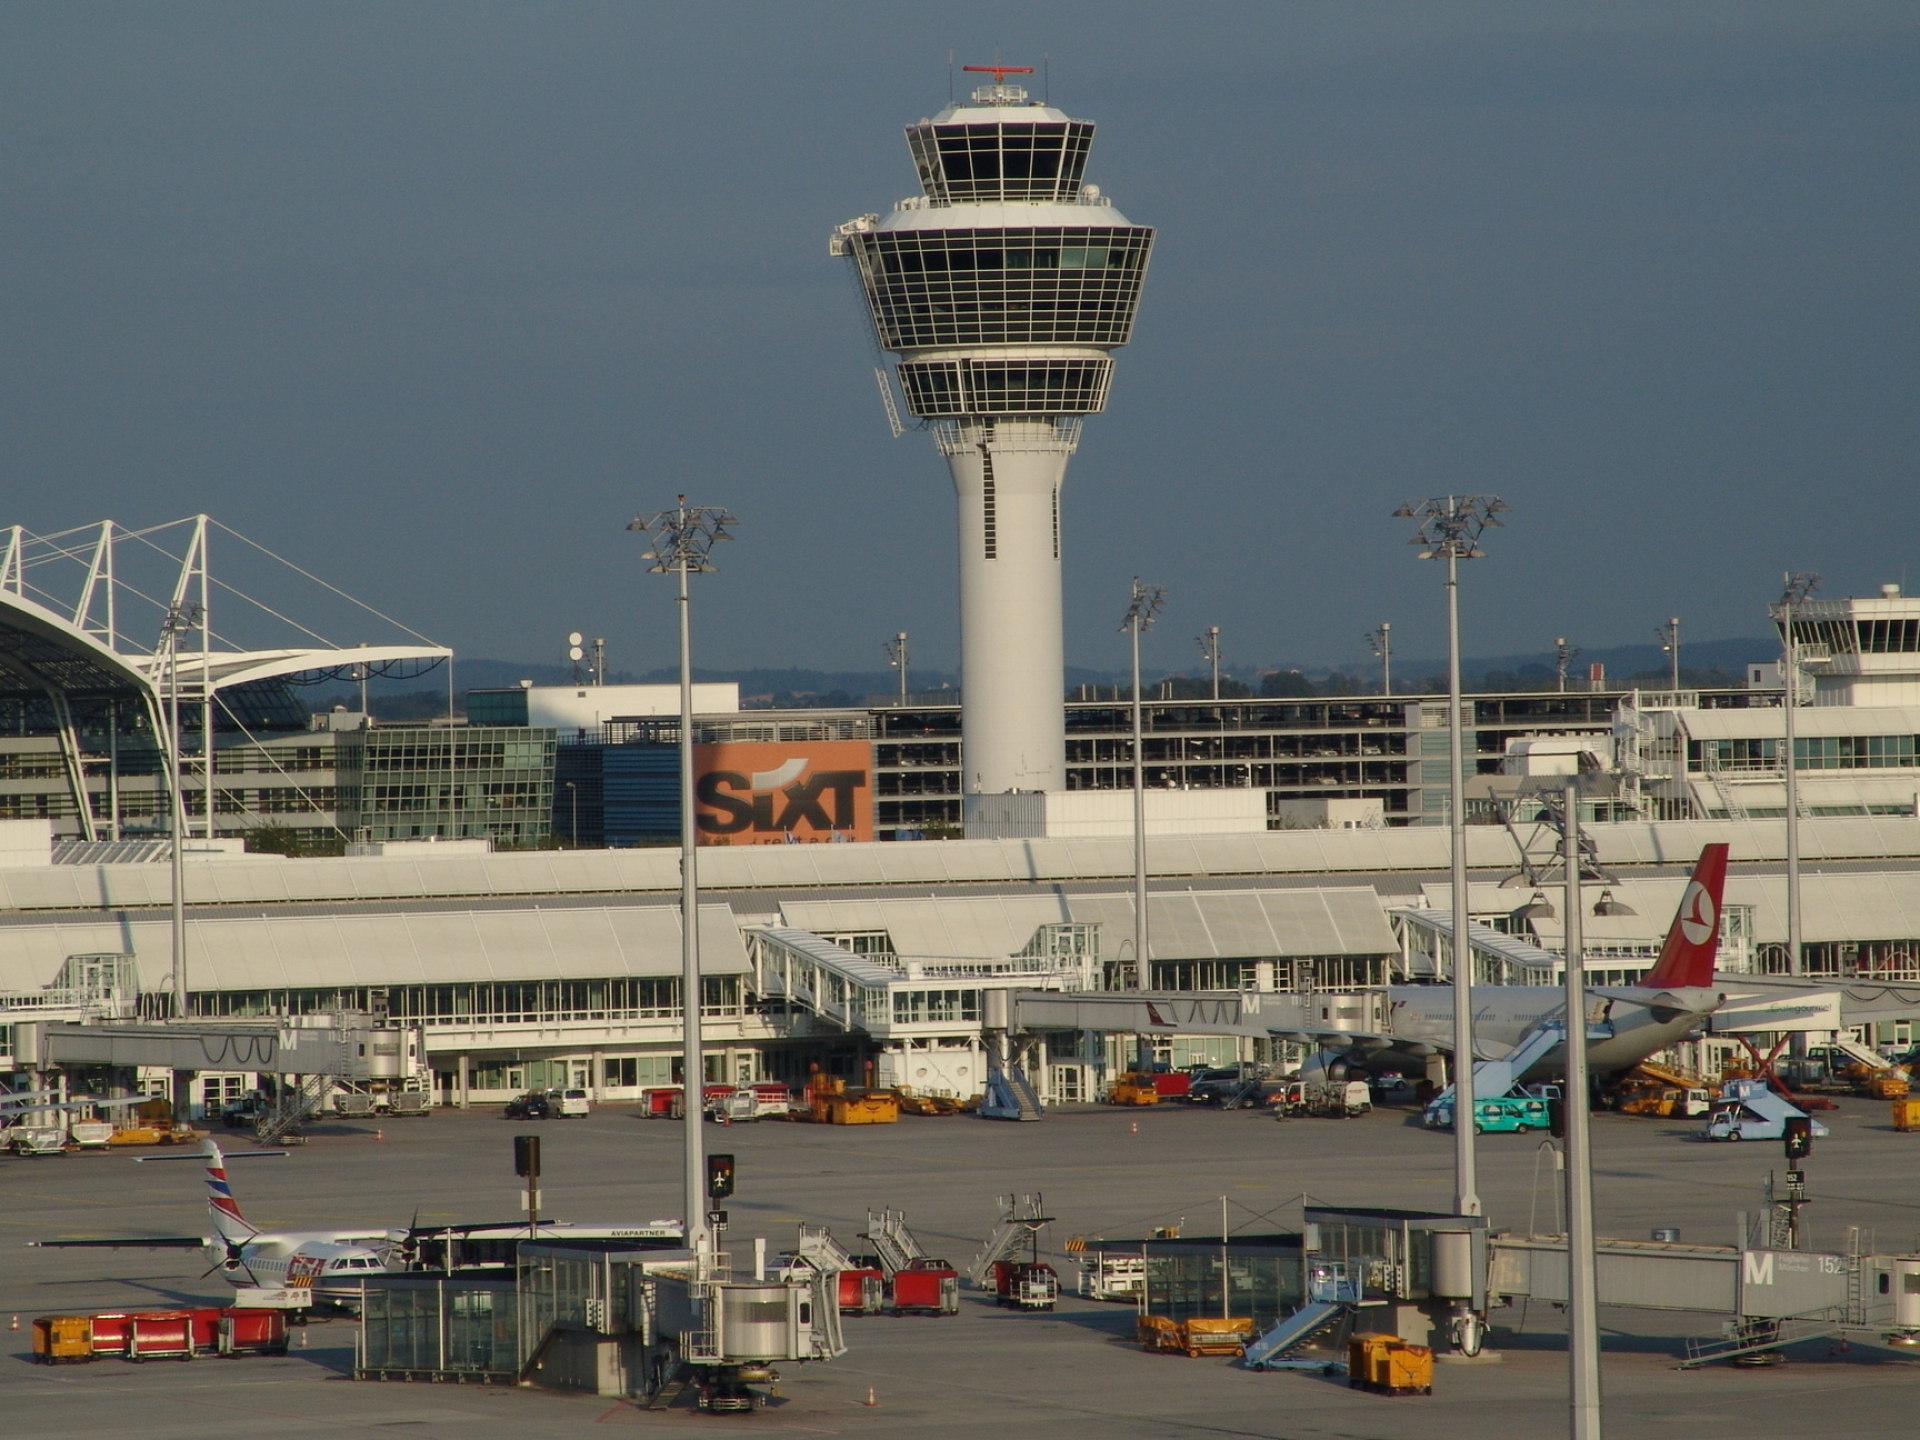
x=772, y=794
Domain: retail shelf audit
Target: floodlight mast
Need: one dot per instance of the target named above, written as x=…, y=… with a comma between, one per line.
x=1382, y=642
x=683, y=541
x=1450, y=527
x=1143, y=604
x=1799, y=585
x=181, y=617
x=1002, y=293
x=1669, y=634
x=1210, y=648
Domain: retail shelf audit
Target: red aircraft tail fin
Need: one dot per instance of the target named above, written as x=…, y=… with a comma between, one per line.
x=1686, y=960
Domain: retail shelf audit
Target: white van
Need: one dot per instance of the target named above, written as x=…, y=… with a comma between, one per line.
x=568, y=1104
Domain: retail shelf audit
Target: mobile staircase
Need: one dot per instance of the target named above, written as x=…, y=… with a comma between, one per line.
x=1498, y=1079
x=1021, y=1222
x=1010, y=1095
x=1333, y=1300
x=293, y=1106
x=1245, y=1091
x=892, y=1241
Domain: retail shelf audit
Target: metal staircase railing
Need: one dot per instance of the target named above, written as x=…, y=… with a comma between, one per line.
x=1020, y=1222
x=892, y=1241
x=293, y=1107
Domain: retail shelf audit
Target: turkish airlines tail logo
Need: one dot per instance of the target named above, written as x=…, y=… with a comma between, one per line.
x=1686, y=960
x=228, y=1222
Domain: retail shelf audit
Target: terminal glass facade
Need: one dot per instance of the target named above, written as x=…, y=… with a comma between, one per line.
x=472, y=782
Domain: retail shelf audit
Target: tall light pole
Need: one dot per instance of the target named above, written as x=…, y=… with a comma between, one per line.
x=1143, y=604
x=1669, y=634
x=1563, y=654
x=683, y=541
x=1382, y=642
x=1583, y=1320
x=1799, y=585
x=179, y=619
x=897, y=659
x=1450, y=530
x=1210, y=648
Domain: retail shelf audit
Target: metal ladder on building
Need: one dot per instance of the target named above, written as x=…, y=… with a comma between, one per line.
x=892, y=1241
x=1021, y=1222
x=1722, y=788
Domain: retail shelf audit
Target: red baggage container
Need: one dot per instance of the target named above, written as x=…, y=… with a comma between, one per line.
x=252, y=1332
x=860, y=1292
x=171, y=1334
x=1172, y=1084
x=110, y=1332
x=927, y=1287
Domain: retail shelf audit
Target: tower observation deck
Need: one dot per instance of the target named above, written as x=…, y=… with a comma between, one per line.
x=1003, y=288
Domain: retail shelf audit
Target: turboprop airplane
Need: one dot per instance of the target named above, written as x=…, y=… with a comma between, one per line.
x=1522, y=1026
x=326, y=1266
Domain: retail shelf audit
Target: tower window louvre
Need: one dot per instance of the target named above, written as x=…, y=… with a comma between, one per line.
x=989, y=522
x=1056, y=522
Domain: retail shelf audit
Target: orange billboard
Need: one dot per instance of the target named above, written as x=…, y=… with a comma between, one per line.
x=763, y=793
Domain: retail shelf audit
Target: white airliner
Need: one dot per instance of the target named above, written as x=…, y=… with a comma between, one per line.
x=1525, y=1023
x=328, y=1265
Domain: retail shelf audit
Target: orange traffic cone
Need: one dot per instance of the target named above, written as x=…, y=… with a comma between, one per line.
x=1136, y=1127
x=379, y=1134
x=871, y=1402
x=16, y=1323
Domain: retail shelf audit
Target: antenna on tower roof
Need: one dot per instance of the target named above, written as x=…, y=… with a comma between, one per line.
x=1046, y=79
x=950, y=77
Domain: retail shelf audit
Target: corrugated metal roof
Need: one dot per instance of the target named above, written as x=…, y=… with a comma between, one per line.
x=788, y=868
x=302, y=952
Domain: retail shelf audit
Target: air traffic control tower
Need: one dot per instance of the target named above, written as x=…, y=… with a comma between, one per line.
x=1003, y=288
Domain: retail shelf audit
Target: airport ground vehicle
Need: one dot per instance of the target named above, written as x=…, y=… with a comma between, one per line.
x=159, y=1334
x=26, y=1137
x=1209, y=1087
x=1511, y=1114
x=568, y=1104
x=1025, y=1284
x=1201, y=1335
x=1388, y=1365
x=533, y=1105
x=831, y=1101
x=926, y=1286
x=1748, y=1110
x=1148, y=1087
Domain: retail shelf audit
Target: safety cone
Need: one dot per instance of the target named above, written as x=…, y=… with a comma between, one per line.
x=379, y=1134
x=303, y=1337
x=1136, y=1127
x=871, y=1402
x=16, y=1323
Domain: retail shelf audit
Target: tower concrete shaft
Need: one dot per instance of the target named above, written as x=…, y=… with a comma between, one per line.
x=1002, y=289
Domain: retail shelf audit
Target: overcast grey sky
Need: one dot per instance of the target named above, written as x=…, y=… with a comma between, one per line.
x=433, y=297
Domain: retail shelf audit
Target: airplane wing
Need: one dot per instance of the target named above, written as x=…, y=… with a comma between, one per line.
x=122, y=1242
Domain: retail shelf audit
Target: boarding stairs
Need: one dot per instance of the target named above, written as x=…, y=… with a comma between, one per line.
x=295, y=1104
x=1497, y=1079
x=1020, y=1223
x=1739, y=1339
x=892, y=1241
x=1865, y=1055
x=1332, y=1299
x=1245, y=1091
x=821, y=1251
x=1010, y=1095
